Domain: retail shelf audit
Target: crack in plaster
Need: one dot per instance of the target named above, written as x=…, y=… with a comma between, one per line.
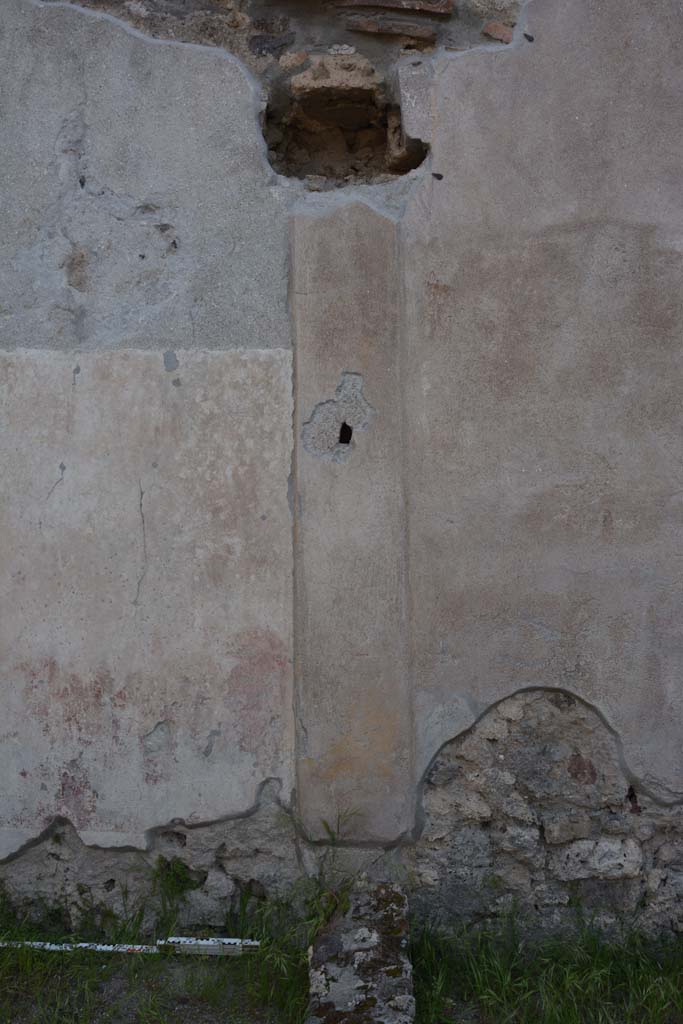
x=136, y=599
x=62, y=470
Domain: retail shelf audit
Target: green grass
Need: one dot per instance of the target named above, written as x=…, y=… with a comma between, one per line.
x=95, y=988
x=474, y=977
x=488, y=978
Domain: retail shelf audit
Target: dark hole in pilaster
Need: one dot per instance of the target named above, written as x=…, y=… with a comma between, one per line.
x=345, y=433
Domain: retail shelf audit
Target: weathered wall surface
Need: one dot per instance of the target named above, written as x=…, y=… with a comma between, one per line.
x=146, y=631
x=225, y=563
x=543, y=380
x=137, y=205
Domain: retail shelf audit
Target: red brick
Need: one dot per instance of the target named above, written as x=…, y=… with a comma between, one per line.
x=497, y=30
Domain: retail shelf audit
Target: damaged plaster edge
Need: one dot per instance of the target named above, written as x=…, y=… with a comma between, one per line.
x=388, y=199
x=125, y=26
x=407, y=597
x=269, y=791
x=410, y=837
x=348, y=399
x=631, y=777
x=393, y=195
x=60, y=821
x=258, y=93
x=293, y=493
x=391, y=198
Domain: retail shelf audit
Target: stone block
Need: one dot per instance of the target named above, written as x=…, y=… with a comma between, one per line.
x=359, y=967
x=598, y=858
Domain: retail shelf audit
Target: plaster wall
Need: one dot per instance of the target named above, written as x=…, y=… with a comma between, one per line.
x=202, y=588
x=146, y=434
x=543, y=376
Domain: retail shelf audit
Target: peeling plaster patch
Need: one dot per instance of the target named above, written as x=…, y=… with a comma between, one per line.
x=328, y=434
x=170, y=361
x=256, y=850
x=115, y=254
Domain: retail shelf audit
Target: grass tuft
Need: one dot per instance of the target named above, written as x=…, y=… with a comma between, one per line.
x=498, y=978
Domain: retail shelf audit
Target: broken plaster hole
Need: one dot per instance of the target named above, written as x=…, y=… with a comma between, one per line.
x=345, y=433
x=334, y=121
x=329, y=431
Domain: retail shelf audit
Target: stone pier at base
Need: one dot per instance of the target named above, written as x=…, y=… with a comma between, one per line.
x=359, y=967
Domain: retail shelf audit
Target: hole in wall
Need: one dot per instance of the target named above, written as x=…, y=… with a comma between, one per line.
x=335, y=121
x=281, y=42
x=345, y=433
x=333, y=423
